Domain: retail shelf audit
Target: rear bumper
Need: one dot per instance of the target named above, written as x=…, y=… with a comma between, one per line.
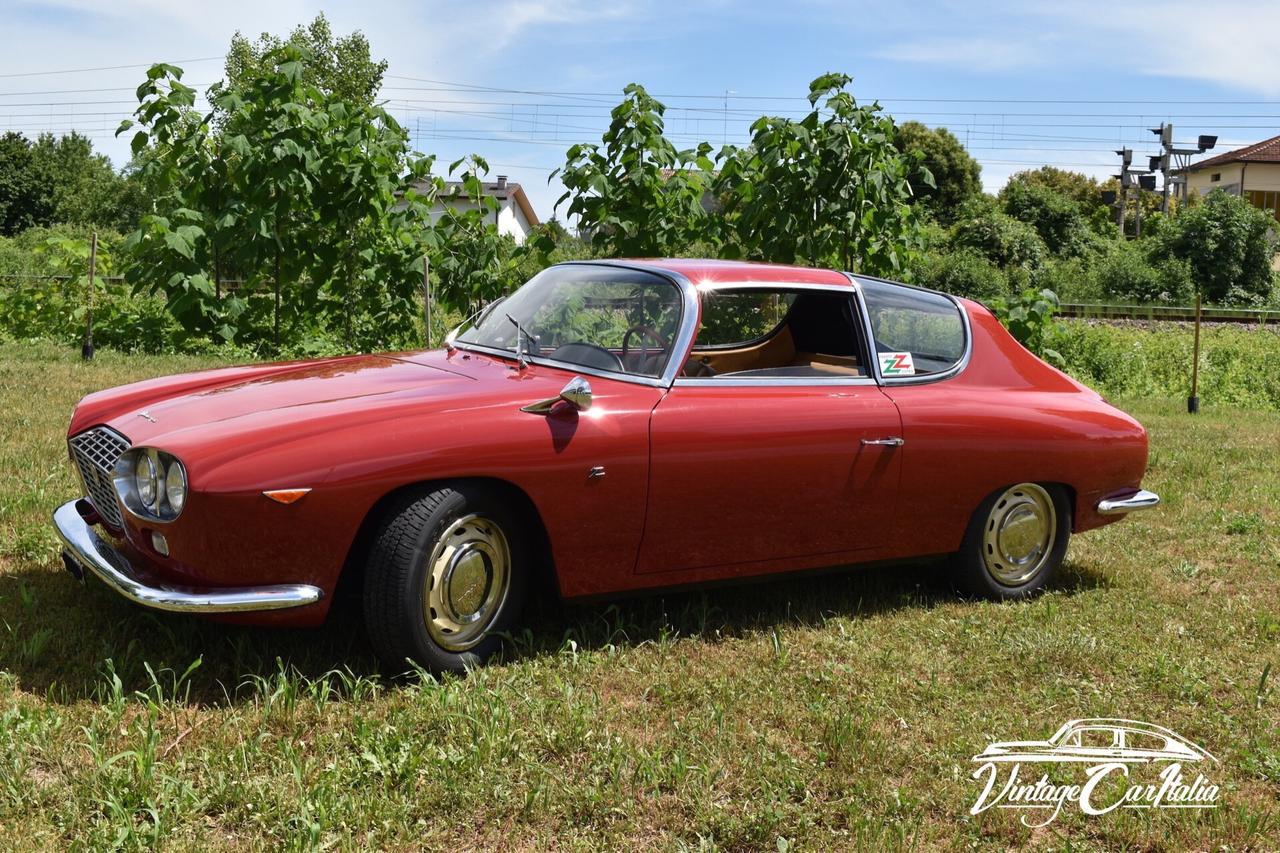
x=1141, y=499
x=88, y=551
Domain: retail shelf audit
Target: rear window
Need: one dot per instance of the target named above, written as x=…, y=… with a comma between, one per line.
x=917, y=333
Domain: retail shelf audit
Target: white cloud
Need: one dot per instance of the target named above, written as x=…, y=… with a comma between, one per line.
x=975, y=53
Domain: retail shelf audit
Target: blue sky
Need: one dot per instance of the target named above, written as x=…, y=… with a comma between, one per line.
x=518, y=81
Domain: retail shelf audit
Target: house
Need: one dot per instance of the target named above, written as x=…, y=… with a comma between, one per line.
x=514, y=217
x=1252, y=172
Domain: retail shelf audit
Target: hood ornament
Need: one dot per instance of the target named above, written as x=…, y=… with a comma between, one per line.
x=147, y=415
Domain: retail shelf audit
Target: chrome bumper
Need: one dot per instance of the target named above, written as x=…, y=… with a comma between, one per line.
x=85, y=548
x=1141, y=499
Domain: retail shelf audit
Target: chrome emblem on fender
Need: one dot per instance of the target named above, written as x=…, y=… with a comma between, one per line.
x=147, y=415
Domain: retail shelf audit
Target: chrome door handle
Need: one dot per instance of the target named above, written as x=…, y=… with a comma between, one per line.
x=885, y=442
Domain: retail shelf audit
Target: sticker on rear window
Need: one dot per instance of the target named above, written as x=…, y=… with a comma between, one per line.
x=896, y=364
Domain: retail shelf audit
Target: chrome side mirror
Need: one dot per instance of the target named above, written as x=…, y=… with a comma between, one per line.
x=576, y=393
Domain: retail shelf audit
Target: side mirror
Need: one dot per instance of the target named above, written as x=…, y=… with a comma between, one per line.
x=576, y=393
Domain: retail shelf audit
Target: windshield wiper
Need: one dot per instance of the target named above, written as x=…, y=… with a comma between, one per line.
x=522, y=343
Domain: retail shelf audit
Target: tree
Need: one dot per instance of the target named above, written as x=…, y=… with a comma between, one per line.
x=61, y=180
x=956, y=175
x=1001, y=239
x=1229, y=245
x=1055, y=216
x=830, y=189
x=1079, y=188
x=293, y=187
x=341, y=67
x=23, y=202
x=636, y=194
x=472, y=261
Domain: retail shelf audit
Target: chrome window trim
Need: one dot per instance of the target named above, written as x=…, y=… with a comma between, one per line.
x=774, y=382
x=950, y=372
x=689, y=313
x=782, y=381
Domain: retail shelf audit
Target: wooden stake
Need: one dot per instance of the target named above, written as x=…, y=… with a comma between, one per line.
x=1193, y=402
x=86, y=348
x=426, y=297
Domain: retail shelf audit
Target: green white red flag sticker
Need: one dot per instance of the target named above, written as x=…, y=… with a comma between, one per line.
x=896, y=364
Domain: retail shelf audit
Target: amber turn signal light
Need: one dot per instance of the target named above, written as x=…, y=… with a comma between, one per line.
x=286, y=496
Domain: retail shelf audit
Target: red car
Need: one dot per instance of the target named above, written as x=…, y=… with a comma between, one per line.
x=612, y=427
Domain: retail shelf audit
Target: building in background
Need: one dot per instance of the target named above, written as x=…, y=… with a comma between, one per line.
x=514, y=217
x=1252, y=172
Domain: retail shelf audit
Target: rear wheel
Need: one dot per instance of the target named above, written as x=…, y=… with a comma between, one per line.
x=1016, y=540
x=447, y=575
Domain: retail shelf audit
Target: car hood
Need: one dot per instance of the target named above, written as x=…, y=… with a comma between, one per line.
x=289, y=393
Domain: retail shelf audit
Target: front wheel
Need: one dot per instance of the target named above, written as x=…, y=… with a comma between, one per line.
x=447, y=575
x=1015, y=542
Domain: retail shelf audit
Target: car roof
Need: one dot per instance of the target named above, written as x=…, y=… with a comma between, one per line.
x=712, y=271
x=1132, y=725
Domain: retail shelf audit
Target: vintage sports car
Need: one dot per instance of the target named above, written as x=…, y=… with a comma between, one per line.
x=1099, y=740
x=610, y=427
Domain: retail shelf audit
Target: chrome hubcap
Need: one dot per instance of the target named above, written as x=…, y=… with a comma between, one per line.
x=1019, y=535
x=469, y=573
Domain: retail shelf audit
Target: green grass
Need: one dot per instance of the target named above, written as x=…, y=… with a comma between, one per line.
x=826, y=713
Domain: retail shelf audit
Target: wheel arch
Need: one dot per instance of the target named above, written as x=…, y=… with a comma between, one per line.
x=545, y=580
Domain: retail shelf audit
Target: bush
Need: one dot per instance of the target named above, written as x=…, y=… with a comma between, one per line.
x=1127, y=274
x=1029, y=317
x=1237, y=366
x=1056, y=218
x=1000, y=238
x=963, y=273
x=1073, y=279
x=1228, y=245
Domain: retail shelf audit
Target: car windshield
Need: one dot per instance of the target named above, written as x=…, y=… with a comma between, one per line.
x=600, y=317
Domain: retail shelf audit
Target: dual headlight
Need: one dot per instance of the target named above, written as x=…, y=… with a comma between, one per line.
x=151, y=483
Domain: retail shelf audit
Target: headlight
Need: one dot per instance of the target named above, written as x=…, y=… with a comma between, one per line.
x=175, y=486
x=144, y=480
x=152, y=484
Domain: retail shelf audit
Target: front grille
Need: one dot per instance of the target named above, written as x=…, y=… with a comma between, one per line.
x=96, y=452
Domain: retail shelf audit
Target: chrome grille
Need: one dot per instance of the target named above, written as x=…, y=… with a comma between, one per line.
x=96, y=451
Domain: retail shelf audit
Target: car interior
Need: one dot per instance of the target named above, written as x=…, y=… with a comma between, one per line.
x=752, y=333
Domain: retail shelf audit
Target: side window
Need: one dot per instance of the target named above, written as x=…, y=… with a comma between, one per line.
x=1098, y=738
x=916, y=332
x=778, y=333
x=1145, y=741
x=739, y=318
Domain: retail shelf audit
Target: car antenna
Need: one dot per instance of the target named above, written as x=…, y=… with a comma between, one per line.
x=522, y=343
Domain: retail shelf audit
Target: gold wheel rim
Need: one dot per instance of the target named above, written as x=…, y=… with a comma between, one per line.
x=467, y=581
x=1018, y=537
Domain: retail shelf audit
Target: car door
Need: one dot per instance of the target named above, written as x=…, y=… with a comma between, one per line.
x=754, y=473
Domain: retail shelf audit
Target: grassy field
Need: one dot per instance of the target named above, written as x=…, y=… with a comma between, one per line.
x=828, y=713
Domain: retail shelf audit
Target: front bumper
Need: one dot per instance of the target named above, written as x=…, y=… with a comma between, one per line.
x=87, y=550
x=1141, y=499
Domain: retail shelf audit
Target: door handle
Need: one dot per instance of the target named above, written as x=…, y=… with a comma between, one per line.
x=893, y=441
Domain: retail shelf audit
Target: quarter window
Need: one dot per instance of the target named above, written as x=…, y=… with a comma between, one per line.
x=917, y=332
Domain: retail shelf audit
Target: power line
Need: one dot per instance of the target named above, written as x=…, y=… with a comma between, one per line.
x=104, y=68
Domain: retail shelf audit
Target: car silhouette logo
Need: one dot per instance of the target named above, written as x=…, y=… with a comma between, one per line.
x=1100, y=740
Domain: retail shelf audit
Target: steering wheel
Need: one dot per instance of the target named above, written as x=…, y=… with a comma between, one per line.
x=588, y=355
x=650, y=333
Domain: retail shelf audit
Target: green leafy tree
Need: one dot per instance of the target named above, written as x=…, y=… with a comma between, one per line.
x=829, y=189
x=1057, y=217
x=1229, y=245
x=1001, y=239
x=636, y=194
x=23, y=201
x=340, y=67
x=471, y=261
x=956, y=175
x=297, y=190
x=60, y=180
